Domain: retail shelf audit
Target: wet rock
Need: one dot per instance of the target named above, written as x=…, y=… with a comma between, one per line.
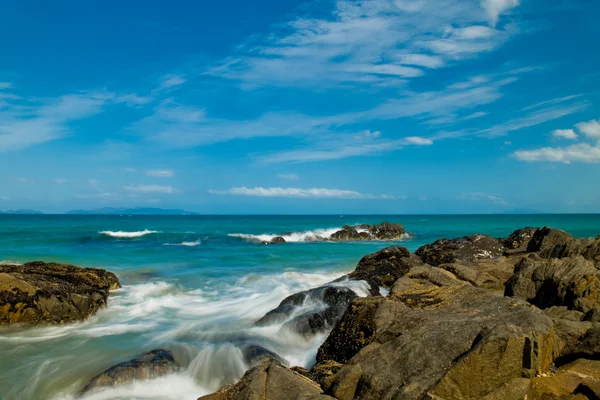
x=387, y=231
x=150, y=365
x=349, y=233
x=253, y=354
x=383, y=231
x=438, y=337
x=572, y=282
x=465, y=249
x=270, y=381
x=384, y=267
x=39, y=292
x=323, y=305
x=519, y=239
x=579, y=380
x=277, y=240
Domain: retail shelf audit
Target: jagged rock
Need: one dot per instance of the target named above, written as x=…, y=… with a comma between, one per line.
x=587, y=346
x=270, y=381
x=554, y=243
x=468, y=248
x=255, y=353
x=437, y=337
x=489, y=274
x=349, y=233
x=39, y=292
x=520, y=238
x=572, y=282
x=329, y=304
x=383, y=231
x=579, y=380
x=150, y=365
x=387, y=231
x=384, y=267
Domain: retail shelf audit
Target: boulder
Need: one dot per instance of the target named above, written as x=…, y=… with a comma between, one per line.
x=491, y=274
x=387, y=231
x=554, y=243
x=253, y=354
x=381, y=269
x=383, y=231
x=436, y=337
x=52, y=293
x=311, y=311
x=465, y=249
x=572, y=282
x=270, y=381
x=587, y=346
x=150, y=365
x=579, y=380
x=349, y=233
x=519, y=239
x=277, y=240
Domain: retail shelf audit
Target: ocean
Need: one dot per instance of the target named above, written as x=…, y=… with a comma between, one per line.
x=195, y=285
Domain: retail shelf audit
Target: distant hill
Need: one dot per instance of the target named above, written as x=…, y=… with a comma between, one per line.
x=22, y=212
x=131, y=211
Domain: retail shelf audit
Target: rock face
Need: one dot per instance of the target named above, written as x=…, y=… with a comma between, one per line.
x=39, y=292
x=270, y=381
x=519, y=239
x=489, y=274
x=579, y=380
x=572, y=282
x=383, y=231
x=149, y=365
x=323, y=307
x=464, y=249
x=384, y=267
x=438, y=337
x=554, y=243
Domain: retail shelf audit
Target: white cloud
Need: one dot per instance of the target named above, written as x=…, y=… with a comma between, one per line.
x=149, y=189
x=160, y=173
x=581, y=152
x=291, y=177
x=297, y=192
x=565, y=134
x=495, y=8
x=371, y=42
x=590, y=129
x=133, y=99
x=419, y=141
x=171, y=81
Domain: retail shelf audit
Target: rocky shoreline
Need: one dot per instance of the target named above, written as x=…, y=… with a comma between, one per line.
x=468, y=318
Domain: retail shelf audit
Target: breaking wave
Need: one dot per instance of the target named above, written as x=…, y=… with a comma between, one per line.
x=128, y=235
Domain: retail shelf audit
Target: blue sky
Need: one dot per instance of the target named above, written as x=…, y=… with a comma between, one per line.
x=378, y=106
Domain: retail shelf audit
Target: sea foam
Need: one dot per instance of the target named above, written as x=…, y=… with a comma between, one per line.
x=296, y=237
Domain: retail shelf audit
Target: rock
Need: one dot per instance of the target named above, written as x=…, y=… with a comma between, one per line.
x=554, y=243
x=491, y=274
x=593, y=315
x=253, y=354
x=572, y=282
x=348, y=233
x=39, y=292
x=437, y=337
x=519, y=239
x=150, y=365
x=323, y=371
x=387, y=231
x=588, y=346
x=270, y=381
x=384, y=267
x=465, y=249
x=578, y=380
x=324, y=306
x=277, y=240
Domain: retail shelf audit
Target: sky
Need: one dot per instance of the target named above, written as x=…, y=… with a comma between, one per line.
x=270, y=106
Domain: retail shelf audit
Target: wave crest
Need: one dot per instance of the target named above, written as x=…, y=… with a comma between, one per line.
x=186, y=244
x=296, y=237
x=124, y=234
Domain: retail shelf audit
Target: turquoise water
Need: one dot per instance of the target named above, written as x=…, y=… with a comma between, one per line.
x=195, y=285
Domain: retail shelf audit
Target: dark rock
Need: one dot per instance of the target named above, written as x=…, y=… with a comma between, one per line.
x=387, y=231
x=253, y=354
x=39, y=292
x=384, y=267
x=519, y=239
x=270, y=381
x=326, y=305
x=588, y=346
x=468, y=248
x=348, y=233
x=383, y=231
x=149, y=365
x=571, y=282
x=554, y=243
x=323, y=371
x=593, y=315
x=277, y=240
x=579, y=380
x=438, y=337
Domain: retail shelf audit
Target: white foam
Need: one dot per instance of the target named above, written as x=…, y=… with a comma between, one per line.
x=186, y=244
x=294, y=237
x=128, y=235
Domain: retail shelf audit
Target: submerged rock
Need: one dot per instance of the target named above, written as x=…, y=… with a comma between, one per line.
x=383, y=231
x=39, y=292
x=466, y=249
x=270, y=381
x=437, y=337
x=253, y=354
x=150, y=365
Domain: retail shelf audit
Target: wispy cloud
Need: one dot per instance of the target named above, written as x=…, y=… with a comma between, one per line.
x=581, y=152
x=485, y=197
x=380, y=43
x=298, y=193
x=170, y=81
x=291, y=177
x=149, y=189
x=160, y=173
